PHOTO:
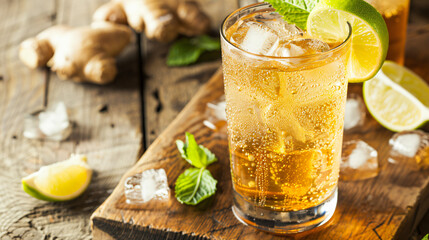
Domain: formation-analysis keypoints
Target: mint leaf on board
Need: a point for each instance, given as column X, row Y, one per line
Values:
column 187, row 50
column 195, row 185
column 182, row 149
column 211, row 158
column 426, row 237
column 196, row 155
column 294, row 11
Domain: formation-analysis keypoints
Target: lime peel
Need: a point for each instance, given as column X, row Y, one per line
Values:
column 391, row 104
column 57, row 182
column 370, row 38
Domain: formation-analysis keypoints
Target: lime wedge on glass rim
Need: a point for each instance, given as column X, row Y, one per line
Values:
column 369, row 39
column 60, row 181
column 397, row 98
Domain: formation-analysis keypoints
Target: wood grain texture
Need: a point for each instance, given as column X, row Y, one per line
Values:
column 389, row 206
column 110, row 139
column 169, row 89
column 386, row 207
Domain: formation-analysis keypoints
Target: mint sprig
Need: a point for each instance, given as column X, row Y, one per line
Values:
column 195, row 184
column 187, row 50
column 196, row 155
column 294, row 11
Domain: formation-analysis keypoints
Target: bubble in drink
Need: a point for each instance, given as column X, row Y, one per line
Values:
column 359, row 161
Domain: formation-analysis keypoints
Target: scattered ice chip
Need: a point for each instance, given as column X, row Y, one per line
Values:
column 255, row 37
column 359, row 161
column 355, row 112
column 31, row 127
column 51, row 124
column 218, row 109
column 210, row 125
column 392, row 161
column 54, row 121
column 147, row 185
column 411, row 144
column 407, row 143
column 216, row 114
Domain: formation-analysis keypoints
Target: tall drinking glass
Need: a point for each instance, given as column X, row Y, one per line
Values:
column 395, row 14
column 285, row 119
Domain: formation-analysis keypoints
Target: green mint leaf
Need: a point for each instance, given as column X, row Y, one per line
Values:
column 183, row 52
column 196, row 155
column 426, row 237
column 207, row 43
column 195, row 185
column 187, row 50
column 294, row 11
column 182, row 149
column 211, row 158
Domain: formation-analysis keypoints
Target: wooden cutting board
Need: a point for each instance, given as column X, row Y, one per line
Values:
column 385, row 207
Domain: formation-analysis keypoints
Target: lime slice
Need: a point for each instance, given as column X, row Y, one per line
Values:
column 397, row 98
column 369, row 40
column 60, row 181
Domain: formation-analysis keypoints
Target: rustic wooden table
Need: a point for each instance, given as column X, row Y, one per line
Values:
column 107, row 118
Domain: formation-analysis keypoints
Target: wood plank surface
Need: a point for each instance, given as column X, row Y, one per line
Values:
column 111, row 139
column 389, row 206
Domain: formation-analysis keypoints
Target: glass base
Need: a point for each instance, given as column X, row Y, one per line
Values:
column 284, row 222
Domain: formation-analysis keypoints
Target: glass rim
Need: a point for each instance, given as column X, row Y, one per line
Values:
column 222, row 33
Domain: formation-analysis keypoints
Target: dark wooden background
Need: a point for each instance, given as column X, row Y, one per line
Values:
column 111, row 139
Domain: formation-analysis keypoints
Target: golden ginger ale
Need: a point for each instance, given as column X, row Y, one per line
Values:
column 285, row 95
column 395, row 14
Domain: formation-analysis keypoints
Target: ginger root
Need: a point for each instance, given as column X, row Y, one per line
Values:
column 161, row 20
column 84, row 54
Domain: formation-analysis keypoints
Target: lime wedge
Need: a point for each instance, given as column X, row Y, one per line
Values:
column 60, row 181
column 397, row 98
column 369, row 40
